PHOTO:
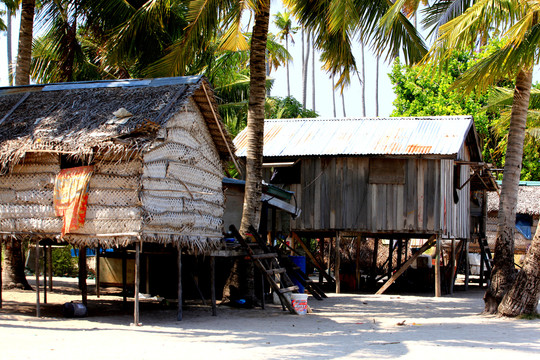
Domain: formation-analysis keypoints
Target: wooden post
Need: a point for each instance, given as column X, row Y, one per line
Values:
column 438, row 268
column 400, row 251
column 98, row 272
column 373, row 274
column 147, row 267
column 453, row 265
column 36, row 268
column 467, row 265
column 390, row 257
column 357, row 262
column 44, row 274
column 213, row 284
column 50, row 268
column 321, row 251
column 137, row 284
column 1, row 244
column 83, row 275
column 124, row 278
column 179, row 313
column 338, row 262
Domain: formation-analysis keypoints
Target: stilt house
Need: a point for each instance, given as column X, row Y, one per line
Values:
column 393, row 178
column 154, row 150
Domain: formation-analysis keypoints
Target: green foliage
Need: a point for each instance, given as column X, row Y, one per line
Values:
column 287, row 108
column 62, row 262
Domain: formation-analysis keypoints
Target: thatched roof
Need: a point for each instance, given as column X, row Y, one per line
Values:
column 528, row 200
column 77, row 118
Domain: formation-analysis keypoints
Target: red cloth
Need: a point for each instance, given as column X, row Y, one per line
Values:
column 71, row 196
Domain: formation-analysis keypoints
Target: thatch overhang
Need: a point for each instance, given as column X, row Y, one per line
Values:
column 77, row 118
column 528, row 200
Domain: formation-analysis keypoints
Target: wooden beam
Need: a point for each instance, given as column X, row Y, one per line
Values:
column 124, row 278
column 1, row 244
column 83, row 275
column 338, row 262
column 213, row 284
column 36, row 269
column 44, row 274
column 467, row 265
column 98, row 272
column 312, row 258
column 179, row 312
column 405, row 266
column 49, row 254
column 438, row 269
column 136, row 321
column 453, row 266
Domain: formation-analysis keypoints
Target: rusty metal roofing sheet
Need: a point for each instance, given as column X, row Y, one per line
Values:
column 362, row 136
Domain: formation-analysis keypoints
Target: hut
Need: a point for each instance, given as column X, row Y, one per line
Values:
column 389, row 178
column 152, row 153
column 527, row 216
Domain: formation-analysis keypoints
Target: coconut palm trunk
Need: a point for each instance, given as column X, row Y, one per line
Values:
column 287, row 67
column 22, row 74
column 13, row 274
column 305, row 72
column 503, row 273
column 363, row 79
column 522, row 298
column 255, row 122
column 9, row 47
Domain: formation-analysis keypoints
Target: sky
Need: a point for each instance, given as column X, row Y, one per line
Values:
column 323, row 83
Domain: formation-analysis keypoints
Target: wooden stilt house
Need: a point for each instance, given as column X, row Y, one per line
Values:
column 153, row 149
column 391, row 178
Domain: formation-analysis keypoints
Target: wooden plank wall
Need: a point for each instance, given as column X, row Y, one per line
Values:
column 335, row 194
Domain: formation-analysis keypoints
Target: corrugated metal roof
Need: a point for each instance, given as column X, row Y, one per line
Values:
column 362, row 136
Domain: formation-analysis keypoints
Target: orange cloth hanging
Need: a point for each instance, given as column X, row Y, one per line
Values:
column 71, row 196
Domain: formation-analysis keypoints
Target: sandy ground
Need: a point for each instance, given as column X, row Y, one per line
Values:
column 343, row 326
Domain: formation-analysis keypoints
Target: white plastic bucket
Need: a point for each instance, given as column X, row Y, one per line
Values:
column 299, row 303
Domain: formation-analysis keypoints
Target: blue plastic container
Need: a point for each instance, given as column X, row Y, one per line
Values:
column 299, row 261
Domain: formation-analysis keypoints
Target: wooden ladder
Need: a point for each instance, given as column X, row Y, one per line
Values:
column 485, row 258
column 293, row 270
column 268, row 264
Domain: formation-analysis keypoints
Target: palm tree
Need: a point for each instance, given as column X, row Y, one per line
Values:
column 11, row 8
column 22, row 74
column 284, row 23
column 518, row 19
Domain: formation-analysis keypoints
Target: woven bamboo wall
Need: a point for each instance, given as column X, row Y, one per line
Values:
column 26, row 195
column 182, row 193
column 26, row 200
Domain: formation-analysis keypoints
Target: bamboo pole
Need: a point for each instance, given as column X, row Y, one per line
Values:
column 36, row 268
column 98, row 272
column 213, row 284
column 338, row 262
column 44, row 274
column 137, row 284
column 1, row 244
column 50, row 268
column 467, row 265
column 438, row 268
column 83, row 275
column 179, row 313
column 453, row 265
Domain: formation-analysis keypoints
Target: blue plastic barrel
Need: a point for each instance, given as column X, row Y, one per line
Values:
column 299, row 261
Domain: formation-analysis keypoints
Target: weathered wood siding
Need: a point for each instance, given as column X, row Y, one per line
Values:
column 182, row 183
column 336, row 194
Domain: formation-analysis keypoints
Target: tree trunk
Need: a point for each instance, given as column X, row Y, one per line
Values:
column 343, row 104
column 255, row 122
column 363, row 79
column 377, row 87
column 522, row 298
column 287, row 66
column 305, row 73
column 22, row 75
column 255, row 132
column 9, row 48
column 313, row 91
column 503, row 273
column 13, row 274
column 334, row 94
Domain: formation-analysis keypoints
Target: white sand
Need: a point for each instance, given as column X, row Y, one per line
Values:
column 341, row 327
